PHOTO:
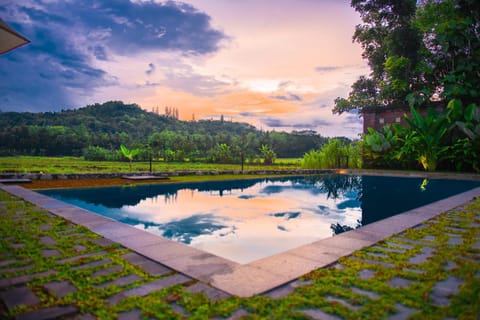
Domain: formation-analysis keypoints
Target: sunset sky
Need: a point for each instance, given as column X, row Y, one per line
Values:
column 275, row 64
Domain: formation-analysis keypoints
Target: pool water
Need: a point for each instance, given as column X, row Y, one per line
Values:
column 245, row 220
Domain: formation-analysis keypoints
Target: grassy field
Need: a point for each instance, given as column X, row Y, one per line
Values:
column 24, row 164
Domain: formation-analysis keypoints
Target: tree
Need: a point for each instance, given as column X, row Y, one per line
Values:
column 391, row 44
column 451, row 33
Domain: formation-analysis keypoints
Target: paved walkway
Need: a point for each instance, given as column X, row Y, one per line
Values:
column 51, row 268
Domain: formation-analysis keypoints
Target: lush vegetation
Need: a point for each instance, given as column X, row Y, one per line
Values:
column 334, row 154
column 420, row 53
column 97, row 131
column 37, row 164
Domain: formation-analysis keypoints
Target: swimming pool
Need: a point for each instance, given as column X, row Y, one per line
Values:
column 245, row 220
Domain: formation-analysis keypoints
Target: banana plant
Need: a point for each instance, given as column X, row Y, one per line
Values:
column 425, row 137
column 129, row 154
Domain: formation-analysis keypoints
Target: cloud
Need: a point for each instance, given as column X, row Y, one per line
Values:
column 151, row 69
column 288, row 97
column 62, row 66
column 288, row 123
column 184, row 78
column 324, row 69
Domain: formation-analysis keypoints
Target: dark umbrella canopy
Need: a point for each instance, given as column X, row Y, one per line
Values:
column 9, row 38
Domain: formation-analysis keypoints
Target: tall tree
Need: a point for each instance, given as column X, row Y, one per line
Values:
column 391, row 44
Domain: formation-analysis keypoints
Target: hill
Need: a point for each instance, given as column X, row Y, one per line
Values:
column 107, row 125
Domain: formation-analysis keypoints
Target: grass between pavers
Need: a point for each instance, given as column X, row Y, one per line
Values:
column 333, row 290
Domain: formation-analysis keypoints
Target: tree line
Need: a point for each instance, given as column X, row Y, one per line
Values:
column 97, row 132
column 420, row 53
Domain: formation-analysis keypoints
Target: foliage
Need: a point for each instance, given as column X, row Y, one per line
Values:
column 268, row 153
column 379, row 148
column 424, row 139
column 113, row 123
column 391, row 44
column 95, row 153
column 417, row 51
column 335, row 154
column 450, row 139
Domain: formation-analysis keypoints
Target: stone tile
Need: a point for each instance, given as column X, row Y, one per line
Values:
column 429, row 238
column 147, row 265
column 370, row 294
column 343, row 302
column 450, row 265
column 178, row 309
column 8, row 262
column 60, row 289
column 50, row 253
column 400, row 245
column 145, row 289
column 377, row 262
column 280, row 292
column 399, row 282
column 122, row 281
column 112, row 230
column 402, row 312
column 49, row 313
column 86, row 316
column 92, row 264
column 245, row 281
column 366, row 274
column 106, row 271
column 17, row 296
column 103, row 242
column 389, row 249
column 455, row 240
column 7, row 282
column 45, row 227
column 130, row 315
column 81, row 257
column 212, row 293
column 318, row 314
column 17, row 245
column 442, row 291
column 416, row 271
column 288, row 264
column 422, row 257
column 79, row 247
column 48, row 241
column 377, row 255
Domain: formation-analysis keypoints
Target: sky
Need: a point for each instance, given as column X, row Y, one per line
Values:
column 278, row 65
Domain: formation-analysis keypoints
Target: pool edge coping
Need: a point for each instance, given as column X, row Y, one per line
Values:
column 243, row 280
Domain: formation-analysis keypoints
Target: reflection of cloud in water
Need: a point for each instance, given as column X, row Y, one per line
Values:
column 286, row 215
column 349, row 204
column 185, row 230
column 246, row 197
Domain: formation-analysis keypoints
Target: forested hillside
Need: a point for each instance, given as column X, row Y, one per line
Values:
column 98, row 130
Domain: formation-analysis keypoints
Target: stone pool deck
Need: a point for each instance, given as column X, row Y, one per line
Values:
column 61, row 261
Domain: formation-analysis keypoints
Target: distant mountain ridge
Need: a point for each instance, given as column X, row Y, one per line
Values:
column 112, row 123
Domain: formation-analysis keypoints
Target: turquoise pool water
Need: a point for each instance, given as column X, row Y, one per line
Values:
column 245, row 220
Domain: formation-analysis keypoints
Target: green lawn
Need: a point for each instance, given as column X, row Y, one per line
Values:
column 24, row 164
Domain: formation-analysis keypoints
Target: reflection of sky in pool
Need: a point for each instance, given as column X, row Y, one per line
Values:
column 247, row 220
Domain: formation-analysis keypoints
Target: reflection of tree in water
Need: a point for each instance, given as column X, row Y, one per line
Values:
column 171, row 197
column 337, row 185
column 337, row 228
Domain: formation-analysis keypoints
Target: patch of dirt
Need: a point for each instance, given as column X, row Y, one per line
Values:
column 78, row 183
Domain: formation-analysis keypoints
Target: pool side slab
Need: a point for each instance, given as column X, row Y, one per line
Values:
column 243, row 280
